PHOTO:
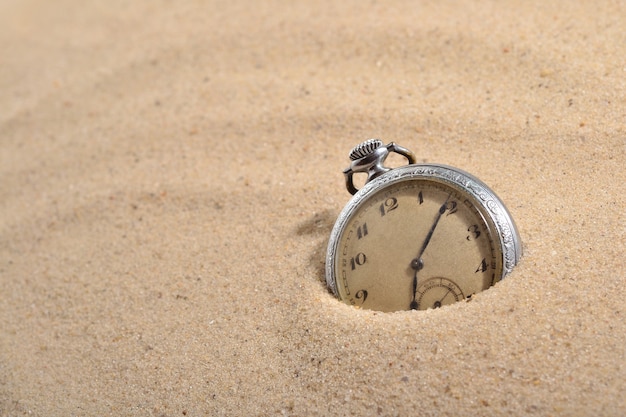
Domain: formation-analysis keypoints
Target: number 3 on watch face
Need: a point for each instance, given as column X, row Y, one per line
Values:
column 419, row 237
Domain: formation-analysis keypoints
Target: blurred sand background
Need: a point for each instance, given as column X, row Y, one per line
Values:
column 170, row 173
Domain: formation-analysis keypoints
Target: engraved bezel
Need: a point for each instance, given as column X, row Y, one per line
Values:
column 489, row 204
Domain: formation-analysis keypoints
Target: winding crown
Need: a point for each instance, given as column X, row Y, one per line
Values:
column 365, row 148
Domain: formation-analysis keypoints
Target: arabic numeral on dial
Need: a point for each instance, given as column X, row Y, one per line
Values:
column 361, row 295
column 481, row 268
column 361, row 231
column 474, row 232
column 451, row 205
column 390, row 204
column 358, row 260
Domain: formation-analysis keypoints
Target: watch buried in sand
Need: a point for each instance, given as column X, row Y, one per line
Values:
column 417, row 237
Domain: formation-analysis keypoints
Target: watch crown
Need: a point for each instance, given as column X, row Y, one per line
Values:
column 365, row 148
column 369, row 157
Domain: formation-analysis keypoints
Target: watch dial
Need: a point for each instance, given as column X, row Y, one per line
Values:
column 416, row 244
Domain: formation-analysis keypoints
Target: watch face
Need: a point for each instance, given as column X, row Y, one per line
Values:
column 414, row 243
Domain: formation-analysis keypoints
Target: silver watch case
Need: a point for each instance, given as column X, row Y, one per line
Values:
column 485, row 199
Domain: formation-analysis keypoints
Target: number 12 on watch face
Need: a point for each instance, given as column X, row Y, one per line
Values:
column 415, row 244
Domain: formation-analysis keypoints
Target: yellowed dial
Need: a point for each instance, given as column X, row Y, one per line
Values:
column 415, row 244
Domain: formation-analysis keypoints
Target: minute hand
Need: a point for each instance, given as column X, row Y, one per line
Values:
column 442, row 210
column 417, row 263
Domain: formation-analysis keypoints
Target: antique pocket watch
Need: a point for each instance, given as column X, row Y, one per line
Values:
column 417, row 237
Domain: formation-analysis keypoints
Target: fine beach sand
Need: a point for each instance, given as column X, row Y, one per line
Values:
column 170, row 173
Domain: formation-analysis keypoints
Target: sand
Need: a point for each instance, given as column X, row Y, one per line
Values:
column 170, row 173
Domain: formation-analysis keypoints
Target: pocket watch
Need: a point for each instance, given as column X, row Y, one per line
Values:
column 417, row 237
